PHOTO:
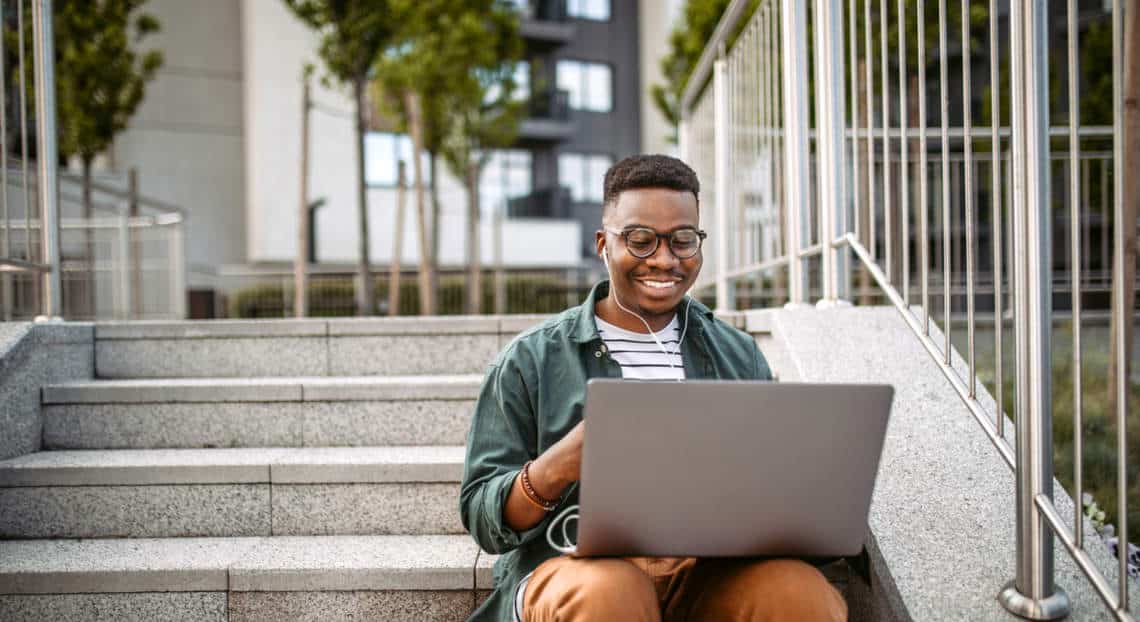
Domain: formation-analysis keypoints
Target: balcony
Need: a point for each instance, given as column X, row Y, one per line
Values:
column 548, row 117
column 545, row 23
column 545, row 203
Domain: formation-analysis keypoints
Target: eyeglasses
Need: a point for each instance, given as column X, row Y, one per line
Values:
column 642, row 242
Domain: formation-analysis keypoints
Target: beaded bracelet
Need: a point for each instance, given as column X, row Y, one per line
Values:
column 531, row 494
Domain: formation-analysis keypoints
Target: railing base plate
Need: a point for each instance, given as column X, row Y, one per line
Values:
column 1054, row 607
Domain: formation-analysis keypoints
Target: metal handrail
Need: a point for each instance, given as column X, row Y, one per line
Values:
column 774, row 171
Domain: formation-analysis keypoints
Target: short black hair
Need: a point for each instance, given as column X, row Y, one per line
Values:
column 649, row 171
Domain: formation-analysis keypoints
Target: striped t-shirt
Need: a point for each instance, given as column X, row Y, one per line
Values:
column 639, row 355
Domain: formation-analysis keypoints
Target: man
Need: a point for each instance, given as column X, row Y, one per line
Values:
column 525, row 445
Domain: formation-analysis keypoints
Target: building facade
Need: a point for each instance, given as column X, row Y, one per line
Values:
column 219, row 134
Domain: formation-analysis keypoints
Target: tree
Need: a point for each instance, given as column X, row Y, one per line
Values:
column 424, row 81
column 484, row 114
column 101, row 79
column 686, row 43
column 352, row 35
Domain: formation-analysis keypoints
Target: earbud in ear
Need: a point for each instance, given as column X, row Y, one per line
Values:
column 606, row 259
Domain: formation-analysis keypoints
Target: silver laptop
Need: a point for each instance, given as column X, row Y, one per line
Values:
column 728, row 468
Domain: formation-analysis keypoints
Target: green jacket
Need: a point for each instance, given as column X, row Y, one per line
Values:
column 533, row 395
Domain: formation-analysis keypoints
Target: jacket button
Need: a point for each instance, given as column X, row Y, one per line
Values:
column 597, row 354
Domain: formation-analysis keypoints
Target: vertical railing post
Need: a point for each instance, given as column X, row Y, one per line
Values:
column 830, row 125
column 121, row 268
column 178, row 269
column 47, row 154
column 1032, row 593
column 797, row 168
column 722, row 152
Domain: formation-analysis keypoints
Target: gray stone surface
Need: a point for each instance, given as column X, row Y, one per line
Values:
column 346, row 563
column 367, row 465
column 255, row 424
column 484, row 579
column 511, row 325
column 142, row 607
column 10, row 335
column 175, row 390
column 118, row 565
column 426, row 354
column 19, row 409
column 211, row 329
column 433, row 387
column 390, row 606
column 233, row 357
column 139, row 467
column 135, row 467
column 440, row 325
column 185, row 425
column 135, row 511
column 32, row 356
column 429, row 422
column 366, row 509
column 943, row 510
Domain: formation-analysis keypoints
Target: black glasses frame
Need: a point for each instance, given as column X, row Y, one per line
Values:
column 624, row 233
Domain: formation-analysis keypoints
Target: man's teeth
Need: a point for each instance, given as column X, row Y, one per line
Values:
column 660, row 284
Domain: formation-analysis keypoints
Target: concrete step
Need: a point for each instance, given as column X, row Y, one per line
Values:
column 335, row 347
column 263, row 412
column 396, row 578
column 231, row 492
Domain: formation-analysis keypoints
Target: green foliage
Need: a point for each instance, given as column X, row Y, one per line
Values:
column 336, row 298
column 352, row 33
column 686, row 43
column 700, row 17
column 100, row 74
column 1098, row 427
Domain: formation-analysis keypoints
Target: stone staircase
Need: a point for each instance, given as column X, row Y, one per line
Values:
column 253, row 470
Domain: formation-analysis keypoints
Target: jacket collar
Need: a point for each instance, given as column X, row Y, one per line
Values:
column 584, row 329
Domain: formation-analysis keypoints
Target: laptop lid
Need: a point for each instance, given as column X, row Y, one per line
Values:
column 728, row 468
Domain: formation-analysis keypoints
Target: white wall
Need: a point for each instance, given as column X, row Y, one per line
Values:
column 275, row 47
column 656, row 22
column 186, row 138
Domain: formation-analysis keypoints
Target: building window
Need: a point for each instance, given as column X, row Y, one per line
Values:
column 590, row 85
column 583, row 174
column 597, row 10
column 382, row 150
column 507, row 175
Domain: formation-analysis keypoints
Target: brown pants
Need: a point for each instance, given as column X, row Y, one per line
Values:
column 666, row 588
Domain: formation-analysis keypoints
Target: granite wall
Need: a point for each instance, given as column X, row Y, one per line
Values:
column 32, row 355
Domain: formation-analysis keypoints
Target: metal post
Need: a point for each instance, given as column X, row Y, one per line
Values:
column 1032, row 594
column 830, row 105
column 177, row 270
column 721, row 156
column 121, row 269
column 47, row 154
column 797, row 168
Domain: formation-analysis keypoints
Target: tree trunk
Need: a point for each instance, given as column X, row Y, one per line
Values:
column 397, row 240
column 364, row 293
column 89, row 239
column 301, row 259
column 474, row 271
column 1124, row 279
column 433, row 275
column 415, row 123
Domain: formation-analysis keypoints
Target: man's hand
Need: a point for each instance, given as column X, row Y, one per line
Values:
column 560, row 465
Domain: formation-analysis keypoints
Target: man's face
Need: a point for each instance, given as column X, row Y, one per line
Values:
column 656, row 284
